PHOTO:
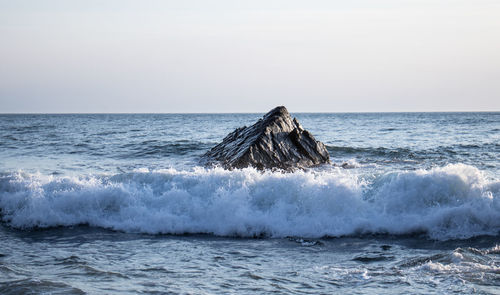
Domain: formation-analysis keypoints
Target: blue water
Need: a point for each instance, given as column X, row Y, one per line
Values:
column 116, row 203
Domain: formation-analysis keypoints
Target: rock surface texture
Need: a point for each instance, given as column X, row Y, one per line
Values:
column 275, row 142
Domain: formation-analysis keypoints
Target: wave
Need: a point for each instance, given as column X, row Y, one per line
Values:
column 370, row 151
column 154, row 149
column 408, row 153
column 450, row 202
column 35, row 286
column 483, row 155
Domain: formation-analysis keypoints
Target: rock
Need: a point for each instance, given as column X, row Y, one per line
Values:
column 274, row 142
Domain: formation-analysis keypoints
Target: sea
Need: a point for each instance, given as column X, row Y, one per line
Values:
column 118, row 204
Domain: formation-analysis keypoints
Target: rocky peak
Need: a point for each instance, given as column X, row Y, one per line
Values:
column 277, row 141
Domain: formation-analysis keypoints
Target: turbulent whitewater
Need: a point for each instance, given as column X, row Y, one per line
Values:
column 118, row 204
column 452, row 202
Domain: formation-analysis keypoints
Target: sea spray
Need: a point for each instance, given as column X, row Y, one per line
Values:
column 450, row 202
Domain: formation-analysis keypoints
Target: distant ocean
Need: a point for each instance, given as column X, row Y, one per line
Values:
column 117, row 204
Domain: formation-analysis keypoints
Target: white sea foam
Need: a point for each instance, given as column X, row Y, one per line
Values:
column 461, row 262
column 455, row 201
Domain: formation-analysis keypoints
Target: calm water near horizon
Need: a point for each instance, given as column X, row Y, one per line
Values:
column 117, row 204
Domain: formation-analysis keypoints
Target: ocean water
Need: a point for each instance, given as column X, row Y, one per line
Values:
column 117, row 204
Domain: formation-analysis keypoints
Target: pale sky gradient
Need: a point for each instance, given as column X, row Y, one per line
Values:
column 249, row 56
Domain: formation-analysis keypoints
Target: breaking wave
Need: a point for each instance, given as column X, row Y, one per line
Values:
column 451, row 202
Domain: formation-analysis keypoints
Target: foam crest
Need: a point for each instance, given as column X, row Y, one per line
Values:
column 455, row 201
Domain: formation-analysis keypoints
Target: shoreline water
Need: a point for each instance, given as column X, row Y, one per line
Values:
column 81, row 260
column 409, row 215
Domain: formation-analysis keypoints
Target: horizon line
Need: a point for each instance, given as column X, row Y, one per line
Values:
column 211, row 113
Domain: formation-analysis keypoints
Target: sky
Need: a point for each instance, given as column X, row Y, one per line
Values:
column 131, row 56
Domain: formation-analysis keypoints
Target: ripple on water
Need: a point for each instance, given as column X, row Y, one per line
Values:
column 34, row 286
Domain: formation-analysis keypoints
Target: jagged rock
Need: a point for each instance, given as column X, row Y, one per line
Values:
column 275, row 142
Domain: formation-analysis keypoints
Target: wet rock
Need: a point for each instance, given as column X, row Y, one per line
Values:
column 274, row 142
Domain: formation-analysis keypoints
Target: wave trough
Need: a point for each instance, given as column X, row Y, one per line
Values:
column 451, row 202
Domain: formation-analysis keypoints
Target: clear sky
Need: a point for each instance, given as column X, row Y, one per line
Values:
column 249, row 56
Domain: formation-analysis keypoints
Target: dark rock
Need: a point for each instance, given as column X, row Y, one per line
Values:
column 275, row 142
